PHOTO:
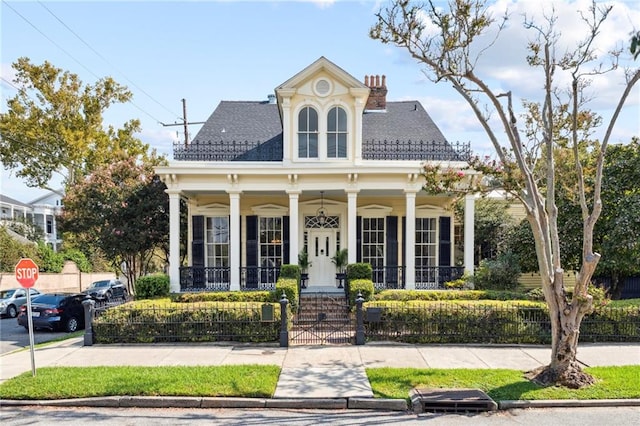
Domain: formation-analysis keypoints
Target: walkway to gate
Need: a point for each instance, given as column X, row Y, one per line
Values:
column 323, row 318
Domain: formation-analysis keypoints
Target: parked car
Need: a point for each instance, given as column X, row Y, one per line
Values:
column 107, row 290
column 55, row 311
column 12, row 299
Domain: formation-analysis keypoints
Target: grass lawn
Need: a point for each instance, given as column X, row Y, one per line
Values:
column 252, row 381
column 259, row 381
column 502, row 384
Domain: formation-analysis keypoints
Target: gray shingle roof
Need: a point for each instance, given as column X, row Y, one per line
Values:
column 252, row 131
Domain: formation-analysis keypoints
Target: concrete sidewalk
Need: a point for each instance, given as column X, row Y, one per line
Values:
column 312, row 372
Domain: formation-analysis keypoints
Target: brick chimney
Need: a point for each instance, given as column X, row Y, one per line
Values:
column 378, row 96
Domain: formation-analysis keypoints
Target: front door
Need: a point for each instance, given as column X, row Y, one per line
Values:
column 322, row 247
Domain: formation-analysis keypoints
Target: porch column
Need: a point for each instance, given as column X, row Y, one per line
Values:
column 469, row 213
column 410, row 240
column 234, row 234
column 352, row 213
column 294, row 239
column 174, row 240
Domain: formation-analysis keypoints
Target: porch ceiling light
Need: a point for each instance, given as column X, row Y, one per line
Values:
column 321, row 214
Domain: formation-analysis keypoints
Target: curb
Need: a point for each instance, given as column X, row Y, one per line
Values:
column 559, row 403
column 213, row 402
column 293, row 403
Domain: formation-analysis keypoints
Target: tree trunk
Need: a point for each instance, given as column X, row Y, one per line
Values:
column 565, row 317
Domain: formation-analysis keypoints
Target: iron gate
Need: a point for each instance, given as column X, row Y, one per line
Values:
column 323, row 319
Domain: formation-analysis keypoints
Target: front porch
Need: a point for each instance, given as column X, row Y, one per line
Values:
column 195, row 279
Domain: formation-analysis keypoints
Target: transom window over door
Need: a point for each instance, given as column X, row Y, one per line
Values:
column 337, row 133
column 308, row 133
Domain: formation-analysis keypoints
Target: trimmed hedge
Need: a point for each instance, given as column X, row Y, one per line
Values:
column 490, row 321
column 161, row 320
column 152, row 286
column 362, row 286
column 434, row 295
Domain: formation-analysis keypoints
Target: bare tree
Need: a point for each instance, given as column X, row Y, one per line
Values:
column 446, row 43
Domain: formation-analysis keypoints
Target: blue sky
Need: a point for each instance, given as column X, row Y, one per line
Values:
column 208, row 51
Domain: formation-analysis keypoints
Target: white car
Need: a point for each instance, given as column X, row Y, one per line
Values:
column 12, row 299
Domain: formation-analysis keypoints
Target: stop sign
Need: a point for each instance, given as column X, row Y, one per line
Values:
column 26, row 272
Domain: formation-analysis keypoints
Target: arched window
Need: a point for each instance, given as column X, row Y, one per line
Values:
column 337, row 133
column 308, row 133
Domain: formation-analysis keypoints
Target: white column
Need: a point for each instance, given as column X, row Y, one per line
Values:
column 234, row 234
column 469, row 213
column 410, row 241
column 294, row 220
column 352, row 212
column 174, row 240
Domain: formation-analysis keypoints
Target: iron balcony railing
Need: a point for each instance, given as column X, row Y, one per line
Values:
column 371, row 150
column 200, row 278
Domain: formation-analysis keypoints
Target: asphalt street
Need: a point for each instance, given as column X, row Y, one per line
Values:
column 14, row 336
column 70, row 416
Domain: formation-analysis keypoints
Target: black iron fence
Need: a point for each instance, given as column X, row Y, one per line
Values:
column 412, row 322
column 206, row 322
column 200, row 278
column 450, row 323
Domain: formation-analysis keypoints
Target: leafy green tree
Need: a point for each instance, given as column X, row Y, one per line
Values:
column 449, row 42
column 492, row 225
column 55, row 125
column 11, row 251
column 120, row 210
column 618, row 230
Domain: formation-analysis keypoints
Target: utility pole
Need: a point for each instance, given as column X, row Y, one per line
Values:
column 184, row 123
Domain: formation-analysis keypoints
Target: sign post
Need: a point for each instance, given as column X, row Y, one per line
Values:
column 27, row 274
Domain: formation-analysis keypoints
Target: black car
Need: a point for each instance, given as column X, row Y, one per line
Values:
column 55, row 311
column 107, row 290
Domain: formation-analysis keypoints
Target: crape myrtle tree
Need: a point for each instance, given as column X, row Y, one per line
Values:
column 54, row 125
column 447, row 44
column 121, row 210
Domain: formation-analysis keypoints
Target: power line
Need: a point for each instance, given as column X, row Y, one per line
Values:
column 71, row 56
column 105, row 59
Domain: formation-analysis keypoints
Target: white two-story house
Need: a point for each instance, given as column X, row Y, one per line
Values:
column 324, row 164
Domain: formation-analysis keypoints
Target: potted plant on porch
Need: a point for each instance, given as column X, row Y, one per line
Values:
column 304, row 264
column 340, row 259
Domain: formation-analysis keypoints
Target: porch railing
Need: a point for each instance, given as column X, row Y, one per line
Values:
column 198, row 278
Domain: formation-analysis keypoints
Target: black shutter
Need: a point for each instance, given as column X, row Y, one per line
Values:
column 285, row 240
column 358, row 238
column 445, row 241
column 252, row 252
column 391, row 273
column 444, row 270
column 197, row 251
column 404, row 251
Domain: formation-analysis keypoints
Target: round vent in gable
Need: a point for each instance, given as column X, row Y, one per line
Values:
column 322, row 87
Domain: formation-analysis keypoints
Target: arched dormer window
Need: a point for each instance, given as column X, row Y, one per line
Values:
column 308, row 133
column 337, row 133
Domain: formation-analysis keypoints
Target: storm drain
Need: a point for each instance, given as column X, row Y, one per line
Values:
column 426, row 400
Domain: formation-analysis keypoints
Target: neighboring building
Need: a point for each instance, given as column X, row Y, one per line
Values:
column 325, row 164
column 42, row 212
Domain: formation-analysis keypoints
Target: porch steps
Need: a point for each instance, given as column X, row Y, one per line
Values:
column 322, row 307
column 322, row 319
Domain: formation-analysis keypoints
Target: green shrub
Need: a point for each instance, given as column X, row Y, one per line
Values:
column 161, row 320
column 288, row 286
column 434, row 295
column 50, row 261
column 361, row 286
column 223, row 296
column 357, row 271
column 290, row 271
column 152, row 286
column 499, row 274
column 464, row 282
column 77, row 257
column 536, row 294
